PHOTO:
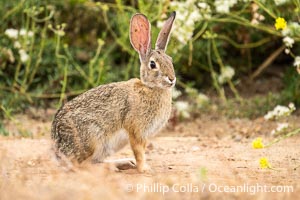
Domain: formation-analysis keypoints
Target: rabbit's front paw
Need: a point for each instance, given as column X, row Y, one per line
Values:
column 144, row 168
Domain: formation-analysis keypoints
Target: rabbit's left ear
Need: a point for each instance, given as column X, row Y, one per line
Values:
column 164, row 34
column 140, row 38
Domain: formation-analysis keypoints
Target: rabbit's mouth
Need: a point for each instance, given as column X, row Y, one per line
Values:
column 169, row 82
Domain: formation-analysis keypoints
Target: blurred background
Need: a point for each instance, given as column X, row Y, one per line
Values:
column 226, row 53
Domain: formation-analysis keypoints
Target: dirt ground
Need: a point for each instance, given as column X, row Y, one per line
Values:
column 207, row 158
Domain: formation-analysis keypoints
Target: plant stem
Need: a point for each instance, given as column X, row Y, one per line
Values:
column 244, row 46
column 290, row 134
column 219, row 88
column 65, row 68
column 92, row 64
column 220, row 62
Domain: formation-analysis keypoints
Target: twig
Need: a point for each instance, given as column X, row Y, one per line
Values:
column 267, row 62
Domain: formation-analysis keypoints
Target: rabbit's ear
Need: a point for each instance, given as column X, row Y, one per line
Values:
column 164, row 34
column 140, row 38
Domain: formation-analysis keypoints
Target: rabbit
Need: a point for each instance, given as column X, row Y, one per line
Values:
column 102, row 120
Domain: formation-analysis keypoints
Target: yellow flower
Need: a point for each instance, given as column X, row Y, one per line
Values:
column 264, row 163
column 280, row 23
column 257, row 143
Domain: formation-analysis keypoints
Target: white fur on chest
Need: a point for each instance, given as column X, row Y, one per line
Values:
column 157, row 123
column 118, row 140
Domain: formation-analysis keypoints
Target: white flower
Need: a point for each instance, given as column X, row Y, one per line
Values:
column 187, row 16
column 60, row 33
column 280, row 2
column 202, row 5
column 256, row 17
column 293, row 29
column 17, row 45
column 261, row 17
column 280, row 127
column 12, row 33
column 288, row 41
column 181, row 105
column 182, row 108
column 176, row 93
column 292, row 106
column 254, row 21
column 205, row 10
column 286, row 31
column 23, row 55
column 194, row 16
column 280, row 111
column 287, row 51
column 223, row 6
column 8, row 54
column 273, row 132
column 254, row 7
column 24, row 32
column 202, row 100
column 226, row 74
column 297, row 61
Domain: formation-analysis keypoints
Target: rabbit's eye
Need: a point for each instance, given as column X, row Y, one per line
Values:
column 152, row 64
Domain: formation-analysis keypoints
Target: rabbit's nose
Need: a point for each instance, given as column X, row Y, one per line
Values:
column 172, row 80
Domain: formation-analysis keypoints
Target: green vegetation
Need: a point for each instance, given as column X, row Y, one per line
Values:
column 54, row 50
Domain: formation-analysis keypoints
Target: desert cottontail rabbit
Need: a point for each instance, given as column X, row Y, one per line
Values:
column 103, row 119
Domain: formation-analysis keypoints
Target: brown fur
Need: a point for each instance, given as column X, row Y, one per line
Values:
column 103, row 119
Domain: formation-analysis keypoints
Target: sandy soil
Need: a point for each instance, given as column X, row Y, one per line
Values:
column 189, row 160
